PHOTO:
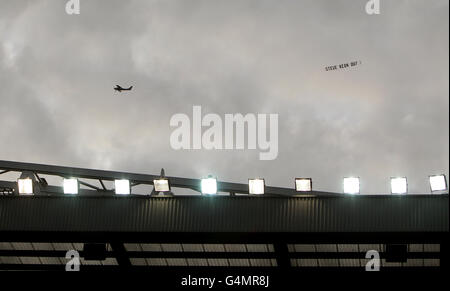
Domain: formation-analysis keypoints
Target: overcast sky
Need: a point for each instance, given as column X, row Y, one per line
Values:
column 388, row 116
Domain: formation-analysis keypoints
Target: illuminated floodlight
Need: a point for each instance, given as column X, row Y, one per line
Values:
column 25, row 186
column 256, row 186
column 122, row 187
column 351, row 185
column 70, row 186
column 161, row 185
column 438, row 183
column 399, row 185
column 209, row 186
column 303, row 184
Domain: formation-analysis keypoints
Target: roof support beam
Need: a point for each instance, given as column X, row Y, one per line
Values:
column 121, row 255
column 176, row 182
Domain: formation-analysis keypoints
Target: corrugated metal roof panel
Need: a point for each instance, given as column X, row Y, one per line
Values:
column 328, row 262
column 193, row 247
column 197, row 262
column 138, row 261
column 22, row 246
column 226, row 214
column 64, row 247
column 239, row 262
column 10, row 260
column 368, row 247
column 326, row 248
column 415, row 248
column 214, row 247
column 431, row 262
column 304, row 248
column 257, row 248
column 261, row 262
column 90, row 262
column 43, row 246
column 133, row 247
column 6, row 246
column 218, row 262
column 235, row 247
column 347, row 247
column 50, row 260
column 171, row 247
column 431, row 247
column 30, row 260
column 156, row 262
column 176, row 262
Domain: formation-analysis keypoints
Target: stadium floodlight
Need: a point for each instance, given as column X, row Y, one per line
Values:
column 25, row 186
column 70, row 186
column 438, row 183
column 399, row 185
column 256, row 186
column 209, row 185
column 303, row 184
column 351, row 185
column 161, row 185
column 122, row 187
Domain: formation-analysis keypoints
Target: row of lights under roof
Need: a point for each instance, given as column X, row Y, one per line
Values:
column 208, row 185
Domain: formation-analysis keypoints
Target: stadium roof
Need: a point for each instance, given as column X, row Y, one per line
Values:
column 319, row 229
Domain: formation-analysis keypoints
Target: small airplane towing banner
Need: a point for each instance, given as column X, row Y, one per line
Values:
column 120, row 89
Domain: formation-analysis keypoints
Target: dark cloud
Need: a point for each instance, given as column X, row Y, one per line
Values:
column 387, row 117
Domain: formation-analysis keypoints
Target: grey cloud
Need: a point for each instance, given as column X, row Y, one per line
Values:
column 386, row 117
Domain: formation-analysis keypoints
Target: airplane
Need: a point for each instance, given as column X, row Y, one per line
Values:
column 120, row 89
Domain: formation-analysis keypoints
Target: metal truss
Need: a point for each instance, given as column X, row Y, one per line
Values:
column 135, row 180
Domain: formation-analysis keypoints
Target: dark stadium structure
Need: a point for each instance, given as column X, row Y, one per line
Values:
column 231, row 232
